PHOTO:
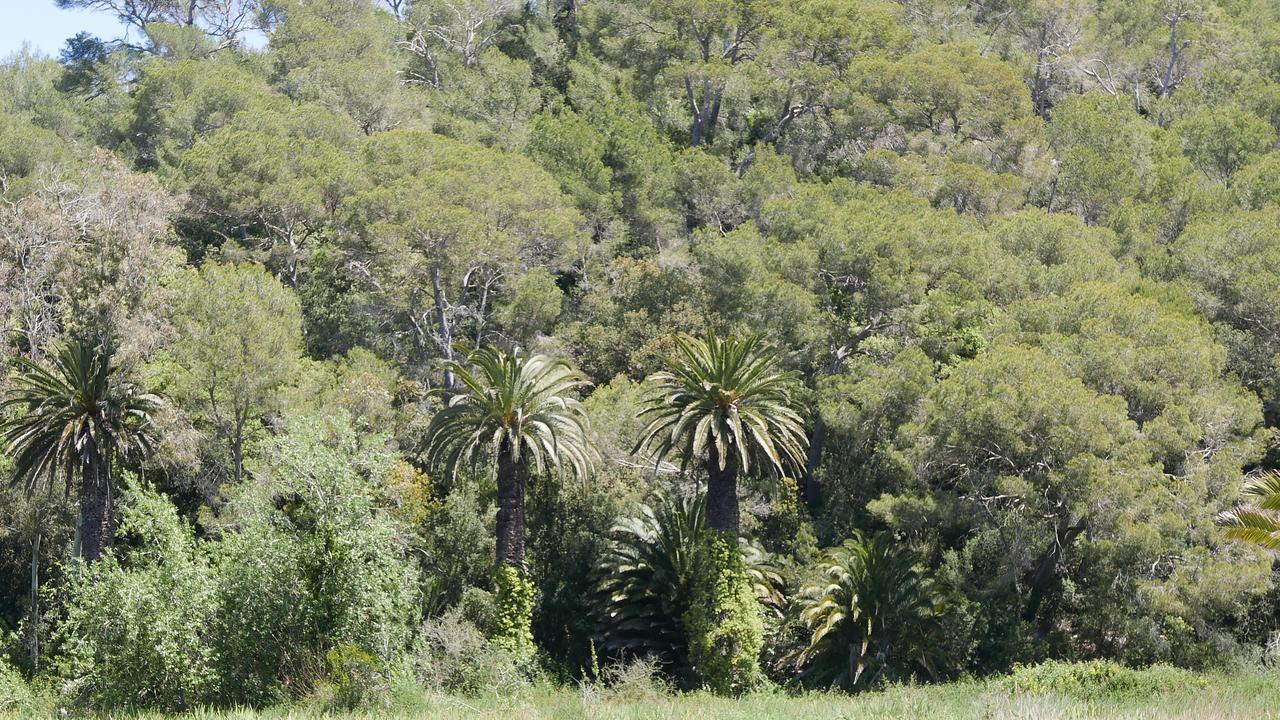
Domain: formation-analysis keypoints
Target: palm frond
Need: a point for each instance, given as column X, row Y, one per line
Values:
column 1257, row 519
column 646, row 580
column 73, row 417
column 871, row 606
column 526, row 401
column 728, row 394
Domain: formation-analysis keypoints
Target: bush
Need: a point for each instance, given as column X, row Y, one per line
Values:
column 723, row 622
column 15, row 695
column 1099, row 680
column 453, row 656
column 312, row 568
column 458, row 544
column 638, row 680
column 356, row 676
column 648, row 582
column 135, row 631
column 871, row 614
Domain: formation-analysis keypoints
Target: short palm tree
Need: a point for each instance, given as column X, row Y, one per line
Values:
column 1257, row 519
column 522, row 409
column 76, row 422
column 871, row 608
column 647, row 580
column 725, row 403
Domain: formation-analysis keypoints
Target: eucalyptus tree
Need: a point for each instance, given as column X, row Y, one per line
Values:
column 76, row 422
column 725, row 403
column 520, row 411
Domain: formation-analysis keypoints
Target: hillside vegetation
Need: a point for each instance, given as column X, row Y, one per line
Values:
column 425, row 356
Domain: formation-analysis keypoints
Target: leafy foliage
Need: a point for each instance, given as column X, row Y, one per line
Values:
column 310, row 566
column 647, row 580
column 872, row 615
column 136, row 632
column 514, row 602
column 996, row 278
column 724, row 621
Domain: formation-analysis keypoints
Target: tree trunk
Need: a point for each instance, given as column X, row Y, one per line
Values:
column 812, row 486
column 35, row 599
column 95, row 510
column 446, row 332
column 1047, row 570
column 513, row 477
column 237, row 454
column 722, row 494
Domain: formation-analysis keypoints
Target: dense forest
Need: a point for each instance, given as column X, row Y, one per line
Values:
column 826, row 343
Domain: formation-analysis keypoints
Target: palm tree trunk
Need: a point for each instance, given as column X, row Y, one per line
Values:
column 512, row 479
column 813, row 486
column 722, row 494
column 95, row 511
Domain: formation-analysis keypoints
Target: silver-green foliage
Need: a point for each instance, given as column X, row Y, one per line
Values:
column 311, row 567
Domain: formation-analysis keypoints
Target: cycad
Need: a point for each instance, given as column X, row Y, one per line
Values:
column 1257, row 519
column 725, row 403
column 522, row 410
column 871, row 610
column 647, row 581
column 76, row 422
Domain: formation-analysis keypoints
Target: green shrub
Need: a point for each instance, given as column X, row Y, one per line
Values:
column 871, row 614
column 311, row 568
column 1099, row 680
column 515, row 599
column 458, row 543
column 451, row 655
column 479, row 607
column 135, row 630
column 723, row 622
column 355, row 676
column 648, row 579
column 15, row 695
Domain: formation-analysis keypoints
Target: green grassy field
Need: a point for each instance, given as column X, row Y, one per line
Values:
column 1209, row 697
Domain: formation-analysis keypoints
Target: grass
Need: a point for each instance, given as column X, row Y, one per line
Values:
column 1203, row 697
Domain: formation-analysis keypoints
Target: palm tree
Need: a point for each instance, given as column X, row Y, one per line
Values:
column 522, row 410
column 77, row 421
column 647, row 578
column 1257, row 520
column 871, row 608
column 725, row 403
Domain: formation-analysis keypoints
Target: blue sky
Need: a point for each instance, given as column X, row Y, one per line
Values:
column 41, row 24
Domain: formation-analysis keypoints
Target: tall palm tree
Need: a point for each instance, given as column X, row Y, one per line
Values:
column 1257, row 519
column 725, row 403
column 76, row 422
column 522, row 409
